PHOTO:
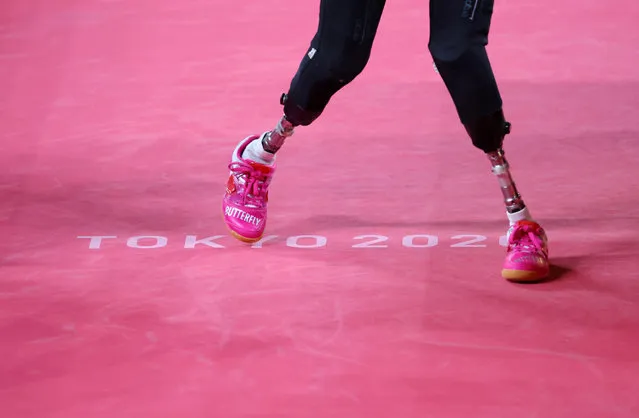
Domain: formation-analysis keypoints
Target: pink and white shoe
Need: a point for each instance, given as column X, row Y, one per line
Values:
column 246, row 198
column 527, row 253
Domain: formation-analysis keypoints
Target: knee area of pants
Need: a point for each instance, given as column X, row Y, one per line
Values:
column 344, row 58
column 348, row 66
column 447, row 51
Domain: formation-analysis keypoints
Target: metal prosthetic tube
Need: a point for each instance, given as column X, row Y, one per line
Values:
column 500, row 168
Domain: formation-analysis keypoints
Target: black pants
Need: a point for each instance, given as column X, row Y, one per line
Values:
column 342, row 46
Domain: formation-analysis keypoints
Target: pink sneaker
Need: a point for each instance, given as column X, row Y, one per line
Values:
column 527, row 258
column 246, row 198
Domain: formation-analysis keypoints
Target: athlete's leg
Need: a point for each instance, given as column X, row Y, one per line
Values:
column 337, row 54
column 458, row 37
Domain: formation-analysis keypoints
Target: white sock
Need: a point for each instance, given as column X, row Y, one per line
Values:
column 255, row 152
column 522, row 215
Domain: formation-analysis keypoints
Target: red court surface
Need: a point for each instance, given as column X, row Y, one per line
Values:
column 117, row 120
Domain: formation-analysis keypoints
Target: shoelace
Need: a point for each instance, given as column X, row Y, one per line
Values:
column 524, row 237
column 254, row 182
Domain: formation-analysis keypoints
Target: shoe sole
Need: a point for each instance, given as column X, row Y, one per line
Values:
column 523, row 276
column 244, row 239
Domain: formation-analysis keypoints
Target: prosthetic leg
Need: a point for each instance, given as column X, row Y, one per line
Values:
column 458, row 40
column 337, row 54
column 527, row 252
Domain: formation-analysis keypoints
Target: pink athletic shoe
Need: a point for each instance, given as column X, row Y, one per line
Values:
column 246, row 198
column 527, row 258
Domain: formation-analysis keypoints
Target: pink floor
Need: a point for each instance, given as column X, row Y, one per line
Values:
column 117, row 119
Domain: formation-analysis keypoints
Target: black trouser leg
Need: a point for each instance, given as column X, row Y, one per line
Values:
column 338, row 53
column 458, row 38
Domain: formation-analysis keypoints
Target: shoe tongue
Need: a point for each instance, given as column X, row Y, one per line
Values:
column 529, row 225
column 521, row 231
column 262, row 168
